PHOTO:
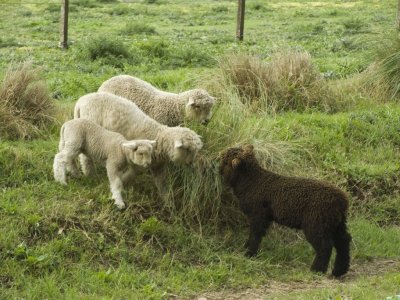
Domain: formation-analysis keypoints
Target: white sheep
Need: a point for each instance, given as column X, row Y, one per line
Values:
column 122, row 157
column 175, row 144
column 167, row 108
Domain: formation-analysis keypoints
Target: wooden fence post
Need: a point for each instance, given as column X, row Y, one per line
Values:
column 64, row 24
column 240, row 20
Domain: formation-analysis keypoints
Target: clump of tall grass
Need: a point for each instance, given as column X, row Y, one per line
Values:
column 132, row 28
column 289, row 81
column 25, row 104
column 197, row 194
column 354, row 25
column 106, row 50
column 167, row 55
column 382, row 78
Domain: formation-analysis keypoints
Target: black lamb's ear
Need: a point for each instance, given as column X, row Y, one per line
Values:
column 235, row 163
column 248, row 149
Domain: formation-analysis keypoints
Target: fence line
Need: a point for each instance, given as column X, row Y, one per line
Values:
column 112, row 3
column 64, row 9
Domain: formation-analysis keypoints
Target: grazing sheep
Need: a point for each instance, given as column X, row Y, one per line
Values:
column 121, row 156
column 319, row 209
column 176, row 144
column 167, row 108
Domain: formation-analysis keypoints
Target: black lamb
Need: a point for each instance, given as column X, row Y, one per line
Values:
column 316, row 207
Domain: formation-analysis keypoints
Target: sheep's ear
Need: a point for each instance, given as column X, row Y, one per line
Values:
column 131, row 145
column 248, row 149
column 178, row 144
column 235, row 163
column 192, row 103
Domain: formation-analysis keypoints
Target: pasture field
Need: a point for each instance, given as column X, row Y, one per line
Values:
column 331, row 120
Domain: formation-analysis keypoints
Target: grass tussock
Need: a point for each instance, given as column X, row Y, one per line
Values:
column 106, row 50
column 133, row 28
column 197, row 195
column 289, row 81
column 25, row 104
column 382, row 77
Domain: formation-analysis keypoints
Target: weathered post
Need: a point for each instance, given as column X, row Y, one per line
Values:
column 240, row 20
column 64, row 24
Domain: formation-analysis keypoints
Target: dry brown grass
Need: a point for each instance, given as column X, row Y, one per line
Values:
column 25, row 104
column 289, row 81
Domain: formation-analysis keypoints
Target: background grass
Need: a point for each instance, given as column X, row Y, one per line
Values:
column 335, row 117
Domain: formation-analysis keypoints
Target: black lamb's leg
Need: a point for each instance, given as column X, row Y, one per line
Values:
column 258, row 228
column 341, row 239
column 323, row 249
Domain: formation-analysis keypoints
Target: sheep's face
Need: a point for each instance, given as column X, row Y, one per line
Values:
column 185, row 151
column 199, row 105
column 139, row 152
column 231, row 160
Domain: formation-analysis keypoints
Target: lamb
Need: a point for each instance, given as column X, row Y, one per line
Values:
column 316, row 207
column 167, row 108
column 173, row 144
column 122, row 157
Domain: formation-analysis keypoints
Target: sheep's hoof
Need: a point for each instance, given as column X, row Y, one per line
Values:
column 120, row 205
column 250, row 253
column 63, row 182
column 338, row 274
column 76, row 175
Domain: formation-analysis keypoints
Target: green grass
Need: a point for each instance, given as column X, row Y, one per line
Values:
column 70, row 242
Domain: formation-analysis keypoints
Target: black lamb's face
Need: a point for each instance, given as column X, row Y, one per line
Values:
column 229, row 161
column 233, row 160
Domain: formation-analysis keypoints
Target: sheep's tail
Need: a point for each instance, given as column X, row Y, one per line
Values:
column 341, row 241
column 62, row 141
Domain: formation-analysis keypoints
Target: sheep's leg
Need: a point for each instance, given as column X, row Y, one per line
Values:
column 322, row 245
column 128, row 175
column 341, row 241
column 258, row 228
column 63, row 163
column 73, row 168
column 116, row 186
column 60, row 168
column 159, row 175
column 86, row 164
